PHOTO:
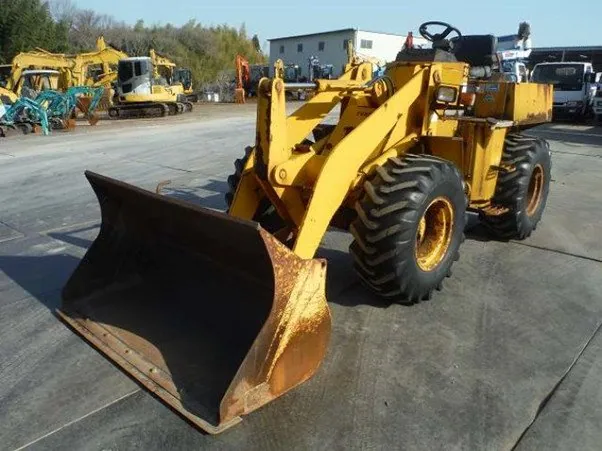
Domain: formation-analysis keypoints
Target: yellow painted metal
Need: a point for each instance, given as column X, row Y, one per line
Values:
column 158, row 94
column 399, row 149
column 345, row 160
column 530, row 103
column 535, row 190
column 11, row 96
column 308, row 183
column 449, row 148
column 434, row 233
column 522, row 103
column 485, row 146
column 300, row 123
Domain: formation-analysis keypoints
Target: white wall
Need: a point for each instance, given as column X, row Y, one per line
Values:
column 334, row 51
column 384, row 46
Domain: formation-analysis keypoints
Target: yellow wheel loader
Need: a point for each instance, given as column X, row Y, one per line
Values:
column 219, row 313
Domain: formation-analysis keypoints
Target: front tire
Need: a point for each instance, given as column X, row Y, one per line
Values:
column 522, row 191
column 266, row 214
column 409, row 227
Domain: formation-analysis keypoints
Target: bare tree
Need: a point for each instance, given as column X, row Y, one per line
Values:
column 62, row 10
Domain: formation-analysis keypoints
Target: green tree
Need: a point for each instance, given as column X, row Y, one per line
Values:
column 256, row 43
column 208, row 51
column 26, row 24
column 139, row 25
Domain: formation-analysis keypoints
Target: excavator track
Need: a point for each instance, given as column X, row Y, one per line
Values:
column 141, row 110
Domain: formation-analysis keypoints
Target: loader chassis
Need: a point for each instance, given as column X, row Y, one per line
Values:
column 411, row 151
column 308, row 184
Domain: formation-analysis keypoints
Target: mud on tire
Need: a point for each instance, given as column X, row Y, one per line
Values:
column 409, row 227
column 523, row 189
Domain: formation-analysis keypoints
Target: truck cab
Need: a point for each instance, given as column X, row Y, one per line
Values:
column 598, row 98
column 574, row 86
column 516, row 71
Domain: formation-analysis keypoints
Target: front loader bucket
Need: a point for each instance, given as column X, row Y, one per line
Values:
column 210, row 313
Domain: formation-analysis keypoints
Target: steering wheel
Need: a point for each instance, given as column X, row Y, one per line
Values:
column 433, row 37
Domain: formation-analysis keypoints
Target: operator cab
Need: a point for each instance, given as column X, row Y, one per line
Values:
column 135, row 75
column 5, row 70
column 479, row 51
column 184, row 76
column 34, row 81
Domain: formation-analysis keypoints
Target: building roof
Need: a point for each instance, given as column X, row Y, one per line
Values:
column 578, row 48
column 342, row 30
column 562, row 63
column 312, row 34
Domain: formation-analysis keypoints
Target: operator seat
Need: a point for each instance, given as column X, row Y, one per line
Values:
column 476, row 50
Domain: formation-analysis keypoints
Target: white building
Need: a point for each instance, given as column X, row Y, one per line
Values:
column 330, row 47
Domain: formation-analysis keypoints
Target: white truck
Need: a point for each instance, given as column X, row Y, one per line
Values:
column 513, row 50
column 598, row 99
column 515, row 68
column 574, row 87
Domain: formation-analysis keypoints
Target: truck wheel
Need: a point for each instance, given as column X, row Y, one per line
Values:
column 266, row 214
column 522, row 191
column 409, row 227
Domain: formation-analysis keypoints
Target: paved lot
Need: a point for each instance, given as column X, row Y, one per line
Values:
column 507, row 356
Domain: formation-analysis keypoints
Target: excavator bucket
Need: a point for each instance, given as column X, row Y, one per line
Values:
column 83, row 104
column 210, row 313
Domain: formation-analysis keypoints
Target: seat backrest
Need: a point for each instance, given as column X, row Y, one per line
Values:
column 476, row 50
column 425, row 55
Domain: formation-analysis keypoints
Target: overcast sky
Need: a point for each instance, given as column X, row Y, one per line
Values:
column 553, row 22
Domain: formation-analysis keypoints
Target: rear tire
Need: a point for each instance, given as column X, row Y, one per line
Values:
column 409, row 227
column 524, row 190
column 266, row 214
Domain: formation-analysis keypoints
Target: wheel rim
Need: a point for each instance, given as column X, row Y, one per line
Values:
column 434, row 234
column 535, row 190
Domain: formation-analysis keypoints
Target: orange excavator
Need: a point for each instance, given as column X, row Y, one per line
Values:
column 243, row 76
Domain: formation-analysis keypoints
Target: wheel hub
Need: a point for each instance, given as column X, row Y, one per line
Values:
column 434, row 234
column 535, row 190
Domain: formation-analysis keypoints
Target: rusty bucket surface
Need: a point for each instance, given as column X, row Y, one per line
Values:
column 210, row 313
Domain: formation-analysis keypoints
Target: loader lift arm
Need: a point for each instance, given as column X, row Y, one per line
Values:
column 285, row 172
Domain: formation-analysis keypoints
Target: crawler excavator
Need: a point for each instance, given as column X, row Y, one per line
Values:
column 219, row 313
column 92, row 69
column 97, row 68
column 145, row 87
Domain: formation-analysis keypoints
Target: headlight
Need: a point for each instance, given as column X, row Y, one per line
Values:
column 447, row 94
